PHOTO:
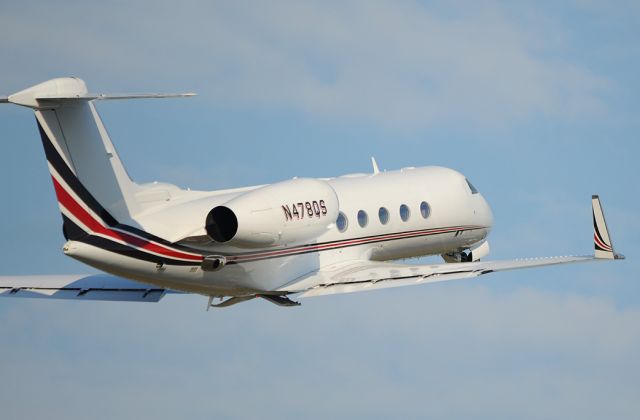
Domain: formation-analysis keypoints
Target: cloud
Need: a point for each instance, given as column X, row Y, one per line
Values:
column 484, row 348
column 449, row 351
column 398, row 64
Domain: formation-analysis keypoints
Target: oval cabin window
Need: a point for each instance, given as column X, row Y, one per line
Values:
column 405, row 213
column 341, row 222
column 425, row 210
column 363, row 219
column 383, row 214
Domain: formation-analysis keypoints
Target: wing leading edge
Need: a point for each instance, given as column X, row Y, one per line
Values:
column 359, row 276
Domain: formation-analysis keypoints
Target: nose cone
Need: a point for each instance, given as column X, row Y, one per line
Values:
column 485, row 214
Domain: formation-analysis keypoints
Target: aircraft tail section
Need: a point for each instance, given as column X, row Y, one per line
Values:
column 90, row 180
column 78, row 148
column 97, row 199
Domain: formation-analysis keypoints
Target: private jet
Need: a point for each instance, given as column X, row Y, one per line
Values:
column 298, row 238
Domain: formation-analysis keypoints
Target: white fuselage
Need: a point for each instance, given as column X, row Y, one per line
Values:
column 457, row 218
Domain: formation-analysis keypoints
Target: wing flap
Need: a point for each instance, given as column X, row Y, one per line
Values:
column 79, row 287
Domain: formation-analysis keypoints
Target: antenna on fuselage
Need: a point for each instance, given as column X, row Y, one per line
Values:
column 376, row 170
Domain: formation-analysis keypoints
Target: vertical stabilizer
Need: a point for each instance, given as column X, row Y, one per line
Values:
column 74, row 138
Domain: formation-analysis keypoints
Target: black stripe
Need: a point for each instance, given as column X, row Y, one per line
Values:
column 69, row 177
column 302, row 248
column 87, row 198
column 595, row 225
column 302, row 252
column 128, row 251
column 451, row 229
column 71, row 231
column 150, row 237
column 599, row 248
column 112, row 246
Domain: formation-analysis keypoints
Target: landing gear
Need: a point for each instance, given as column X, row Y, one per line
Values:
column 457, row 257
column 280, row 300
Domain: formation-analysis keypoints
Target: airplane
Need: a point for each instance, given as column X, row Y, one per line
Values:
column 298, row 238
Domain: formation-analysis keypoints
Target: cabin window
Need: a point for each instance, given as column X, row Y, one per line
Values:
column 405, row 213
column 383, row 214
column 471, row 187
column 341, row 222
column 363, row 219
column 425, row 210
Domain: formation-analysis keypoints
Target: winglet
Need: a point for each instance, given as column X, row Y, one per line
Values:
column 601, row 238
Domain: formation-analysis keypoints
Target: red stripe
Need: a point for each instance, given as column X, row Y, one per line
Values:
column 94, row 226
column 600, row 243
column 347, row 243
column 74, row 208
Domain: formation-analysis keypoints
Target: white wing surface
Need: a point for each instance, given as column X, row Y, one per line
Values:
column 79, row 287
column 359, row 276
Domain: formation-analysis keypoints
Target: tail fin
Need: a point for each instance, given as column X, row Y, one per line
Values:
column 86, row 169
column 601, row 239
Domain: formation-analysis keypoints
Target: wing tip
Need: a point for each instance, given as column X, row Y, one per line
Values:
column 602, row 241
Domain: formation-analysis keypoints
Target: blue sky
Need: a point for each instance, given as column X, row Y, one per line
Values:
column 536, row 102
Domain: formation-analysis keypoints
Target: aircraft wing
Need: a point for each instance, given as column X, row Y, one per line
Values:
column 80, row 287
column 358, row 276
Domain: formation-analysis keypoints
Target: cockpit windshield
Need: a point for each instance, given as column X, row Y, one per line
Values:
column 471, row 187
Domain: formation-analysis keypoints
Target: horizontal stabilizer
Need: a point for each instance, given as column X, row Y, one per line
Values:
column 46, row 94
column 106, row 96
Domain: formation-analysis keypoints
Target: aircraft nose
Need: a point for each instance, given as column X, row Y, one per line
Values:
column 486, row 214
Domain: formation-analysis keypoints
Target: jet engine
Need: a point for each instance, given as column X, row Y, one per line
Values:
column 296, row 210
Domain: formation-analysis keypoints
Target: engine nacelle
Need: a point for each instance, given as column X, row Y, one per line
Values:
column 290, row 211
